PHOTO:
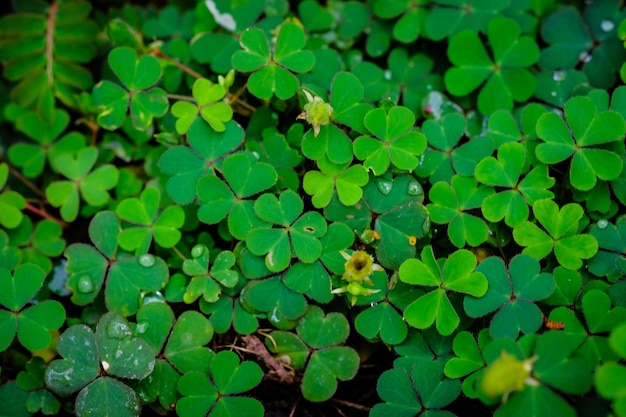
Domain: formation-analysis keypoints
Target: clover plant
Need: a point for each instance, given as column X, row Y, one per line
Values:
column 362, row 207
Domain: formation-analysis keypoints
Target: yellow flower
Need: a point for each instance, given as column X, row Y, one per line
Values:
column 507, row 374
column 359, row 267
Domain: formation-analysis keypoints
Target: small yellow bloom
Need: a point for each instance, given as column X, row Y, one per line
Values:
column 359, row 267
column 507, row 374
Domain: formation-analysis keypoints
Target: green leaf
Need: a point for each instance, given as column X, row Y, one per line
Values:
column 325, row 367
column 512, row 295
column 395, row 141
column 612, row 246
column 347, row 181
column 382, row 320
column 187, row 164
column 589, row 128
column 318, row 330
column 449, row 201
column 562, row 226
column 108, row 396
column 506, row 77
column 455, row 273
column 185, row 349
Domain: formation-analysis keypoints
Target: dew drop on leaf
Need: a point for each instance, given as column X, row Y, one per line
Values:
column 607, row 25
column 415, row 188
column 142, row 326
column 118, row 330
column 384, row 186
column 151, row 297
column 85, row 284
column 603, row 223
column 147, row 260
column 585, row 57
column 559, row 75
column 197, row 251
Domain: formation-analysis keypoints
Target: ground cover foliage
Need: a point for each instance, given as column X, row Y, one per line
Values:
column 383, row 208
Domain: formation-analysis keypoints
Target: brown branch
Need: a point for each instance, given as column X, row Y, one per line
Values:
column 45, row 215
column 351, row 405
column 258, row 348
column 177, row 64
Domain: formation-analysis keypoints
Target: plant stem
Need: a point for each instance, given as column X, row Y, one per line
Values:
column 179, row 253
column 181, row 97
column 351, row 405
column 52, row 11
column 177, row 64
column 26, row 181
column 45, row 215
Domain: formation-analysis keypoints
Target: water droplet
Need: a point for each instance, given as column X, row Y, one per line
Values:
column 415, row 188
column 118, row 330
column 387, row 74
column 553, row 93
column 118, row 353
column 197, row 250
column 85, row 284
column 559, row 75
column 147, row 260
column 142, row 326
column 603, row 223
column 607, row 25
column 384, row 186
column 585, row 57
column 153, row 297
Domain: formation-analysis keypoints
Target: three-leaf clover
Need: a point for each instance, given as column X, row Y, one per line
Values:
column 585, row 129
column 215, row 394
column 322, row 334
column 187, row 164
column 148, row 222
column 137, row 75
column 207, row 283
column 562, row 235
column 210, row 105
column 445, row 156
column 92, row 363
column 512, row 205
column 245, row 177
column 456, row 273
column 273, row 66
column 34, row 323
column 512, row 294
column 297, row 233
column 394, row 141
column 347, row 181
column 449, row 203
column 506, row 76
column 610, row 261
column 93, row 185
column 11, row 202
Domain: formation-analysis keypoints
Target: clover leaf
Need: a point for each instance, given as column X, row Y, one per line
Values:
column 187, row 164
column 298, row 234
column 609, row 377
column 215, row 392
column 609, row 261
column 36, row 245
column 468, row 360
column 246, row 177
column 449, row 203
column 49, row 142
column 562, row 234
column 460, row 15
column 412, row 14
column 39, row 398
column 585, row 129
column 137, row 75
column 93, row 362
column 207, row 283
column 148, row 222
column 124, row 277
column 275, row 150
column 600, row 317
column 395, row 140
column 445, row 155
column 455, row 273
column 512, row 205
column 228, row 311
column 273, row 67
column 34, row 323
column 11, row 202
column 92, row 186
column 407, row 393
column 210, row 105
column 345, row 180
column 328, row 362
column 506, row 76
column 271, row 296
column 512, row 294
